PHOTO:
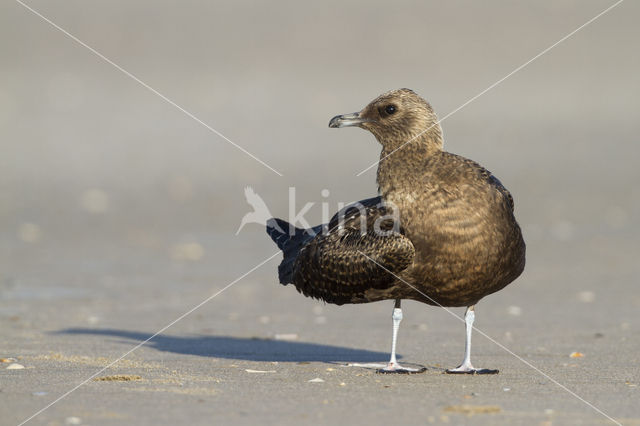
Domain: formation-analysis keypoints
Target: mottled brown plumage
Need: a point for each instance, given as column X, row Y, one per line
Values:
column 455, row 239
column 456, row 220
column 333, row 266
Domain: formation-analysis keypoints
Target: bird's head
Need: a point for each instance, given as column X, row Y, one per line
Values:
column 395, row 118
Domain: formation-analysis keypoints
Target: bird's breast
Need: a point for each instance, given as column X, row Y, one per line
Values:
column 455, row 227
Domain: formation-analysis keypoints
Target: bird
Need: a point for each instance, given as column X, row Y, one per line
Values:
column 441, row 230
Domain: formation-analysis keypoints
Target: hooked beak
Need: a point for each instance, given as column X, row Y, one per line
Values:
column 347, row 120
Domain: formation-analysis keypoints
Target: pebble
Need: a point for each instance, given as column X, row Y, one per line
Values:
column 316, row 380
column 15, row 366
column 73, row 420
column 576, row 355
column 248, row 370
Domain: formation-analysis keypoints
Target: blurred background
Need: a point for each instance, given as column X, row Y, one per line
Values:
column 119, row 211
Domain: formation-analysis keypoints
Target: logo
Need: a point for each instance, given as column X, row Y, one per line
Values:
column 386, row 220
column 260, row 213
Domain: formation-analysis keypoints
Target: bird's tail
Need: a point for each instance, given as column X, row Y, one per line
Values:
column 290, row 240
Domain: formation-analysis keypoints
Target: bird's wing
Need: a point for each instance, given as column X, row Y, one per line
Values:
column 504, row 191
column 476, row 169
column 374, row 203
column 341, row 264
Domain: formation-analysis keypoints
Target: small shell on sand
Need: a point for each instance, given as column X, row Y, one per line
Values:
column 15, row 366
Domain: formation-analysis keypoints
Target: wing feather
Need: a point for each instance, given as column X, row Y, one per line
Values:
column 336, row 266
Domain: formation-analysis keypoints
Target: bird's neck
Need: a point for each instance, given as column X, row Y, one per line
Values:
column 402, row 166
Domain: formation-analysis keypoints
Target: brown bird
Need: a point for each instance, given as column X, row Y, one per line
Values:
column 442, row 231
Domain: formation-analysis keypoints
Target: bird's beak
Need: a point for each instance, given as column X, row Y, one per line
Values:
column 347, row 120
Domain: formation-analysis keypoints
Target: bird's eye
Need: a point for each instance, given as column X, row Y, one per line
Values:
column 390, row 109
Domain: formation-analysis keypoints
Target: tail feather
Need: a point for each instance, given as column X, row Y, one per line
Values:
column 290, row 240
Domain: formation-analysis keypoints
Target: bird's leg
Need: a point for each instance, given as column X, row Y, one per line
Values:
column 393, row 366
column 397, row 318
column 466, row 367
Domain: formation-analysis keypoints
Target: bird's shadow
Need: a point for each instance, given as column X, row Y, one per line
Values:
column 238, row 348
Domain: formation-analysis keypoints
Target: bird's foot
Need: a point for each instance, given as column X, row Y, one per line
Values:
column 395, row 368
column 470, row 369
